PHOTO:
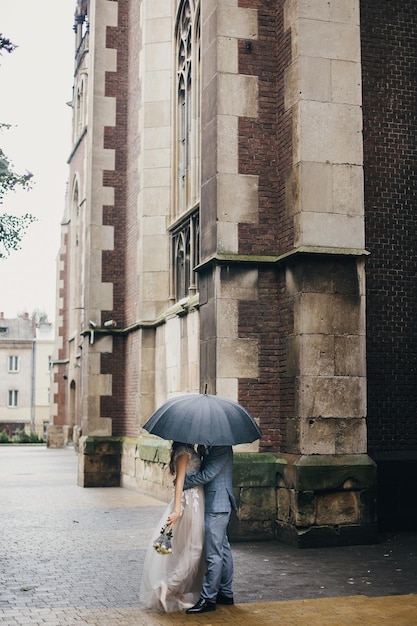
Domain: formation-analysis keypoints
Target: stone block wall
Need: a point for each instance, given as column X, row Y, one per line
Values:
column 144, row 467
column 306, row 501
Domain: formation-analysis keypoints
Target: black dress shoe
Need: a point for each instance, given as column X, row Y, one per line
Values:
column 202, row 606
column 222, row 599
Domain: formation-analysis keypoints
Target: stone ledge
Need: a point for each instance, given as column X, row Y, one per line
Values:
column 103, row 445
column 349, row 471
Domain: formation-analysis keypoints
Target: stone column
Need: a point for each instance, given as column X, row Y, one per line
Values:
column 97, row 295
column 326, row 491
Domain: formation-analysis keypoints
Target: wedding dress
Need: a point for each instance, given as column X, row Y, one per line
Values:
column 172, row 582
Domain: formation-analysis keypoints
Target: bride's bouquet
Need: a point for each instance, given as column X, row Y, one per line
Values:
column 163, row 544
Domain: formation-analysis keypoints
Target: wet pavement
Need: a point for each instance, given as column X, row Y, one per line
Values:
column 74, row 556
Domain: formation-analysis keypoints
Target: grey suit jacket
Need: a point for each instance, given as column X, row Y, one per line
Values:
column 216, row 475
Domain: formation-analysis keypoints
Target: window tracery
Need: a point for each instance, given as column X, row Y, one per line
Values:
column 185, row 235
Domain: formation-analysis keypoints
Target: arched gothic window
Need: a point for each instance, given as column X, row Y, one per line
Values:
column 185, row 233
column 76, row 257
column 79, row 110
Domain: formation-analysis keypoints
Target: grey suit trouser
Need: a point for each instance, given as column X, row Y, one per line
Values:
column 219, row 560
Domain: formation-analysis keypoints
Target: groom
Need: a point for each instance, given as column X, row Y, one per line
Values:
column 216, row 476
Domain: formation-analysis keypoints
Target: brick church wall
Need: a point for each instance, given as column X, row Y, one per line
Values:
column 389, row 71
column 121, row 264
column 265, row 149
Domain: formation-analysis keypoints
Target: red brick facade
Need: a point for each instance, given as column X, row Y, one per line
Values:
column 389, row 70
column 114, row 261
column 389, row 38
column 265, row 150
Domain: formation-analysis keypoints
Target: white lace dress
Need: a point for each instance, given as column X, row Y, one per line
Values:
column 172, row 582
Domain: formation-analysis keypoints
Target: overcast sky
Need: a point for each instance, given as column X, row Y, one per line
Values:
column 35, row 85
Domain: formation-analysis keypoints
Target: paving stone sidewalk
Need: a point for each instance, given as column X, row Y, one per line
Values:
column 74, row 556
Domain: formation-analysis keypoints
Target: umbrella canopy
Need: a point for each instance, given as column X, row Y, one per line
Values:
column 205, row 419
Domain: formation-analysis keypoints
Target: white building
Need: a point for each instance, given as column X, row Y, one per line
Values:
column 43, row 347
column 25, row 351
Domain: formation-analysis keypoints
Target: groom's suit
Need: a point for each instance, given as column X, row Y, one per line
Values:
column 216, row 475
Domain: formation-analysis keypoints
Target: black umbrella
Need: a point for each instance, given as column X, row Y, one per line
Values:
column 204, row 419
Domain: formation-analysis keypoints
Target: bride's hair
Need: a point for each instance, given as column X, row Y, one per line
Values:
column 201, row 451
column 175, row 446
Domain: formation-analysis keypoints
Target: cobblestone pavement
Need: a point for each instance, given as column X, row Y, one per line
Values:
column 74, row 556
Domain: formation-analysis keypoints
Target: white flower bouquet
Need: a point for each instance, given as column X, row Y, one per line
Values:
column 163, row 544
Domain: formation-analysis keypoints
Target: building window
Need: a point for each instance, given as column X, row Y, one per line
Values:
column 80, row 114
column 185, row 242
column 185, row 237
column 13, row 363
column 187, row 119
column 13, row 398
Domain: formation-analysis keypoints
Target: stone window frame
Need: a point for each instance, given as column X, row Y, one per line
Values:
column 184, row 230
column 185, row 246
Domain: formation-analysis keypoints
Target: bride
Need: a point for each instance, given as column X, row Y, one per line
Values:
column 172, row 581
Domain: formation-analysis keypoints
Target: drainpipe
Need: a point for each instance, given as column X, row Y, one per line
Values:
column 32, row 387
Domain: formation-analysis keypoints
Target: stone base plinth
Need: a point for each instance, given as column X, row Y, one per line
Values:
column 255, row 490
column 58, row 436
column 326, row 500
column 99, row 461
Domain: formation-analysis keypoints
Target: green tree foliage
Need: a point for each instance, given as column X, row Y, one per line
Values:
column 20, row 437
column 4, row 437
column 12, row 227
